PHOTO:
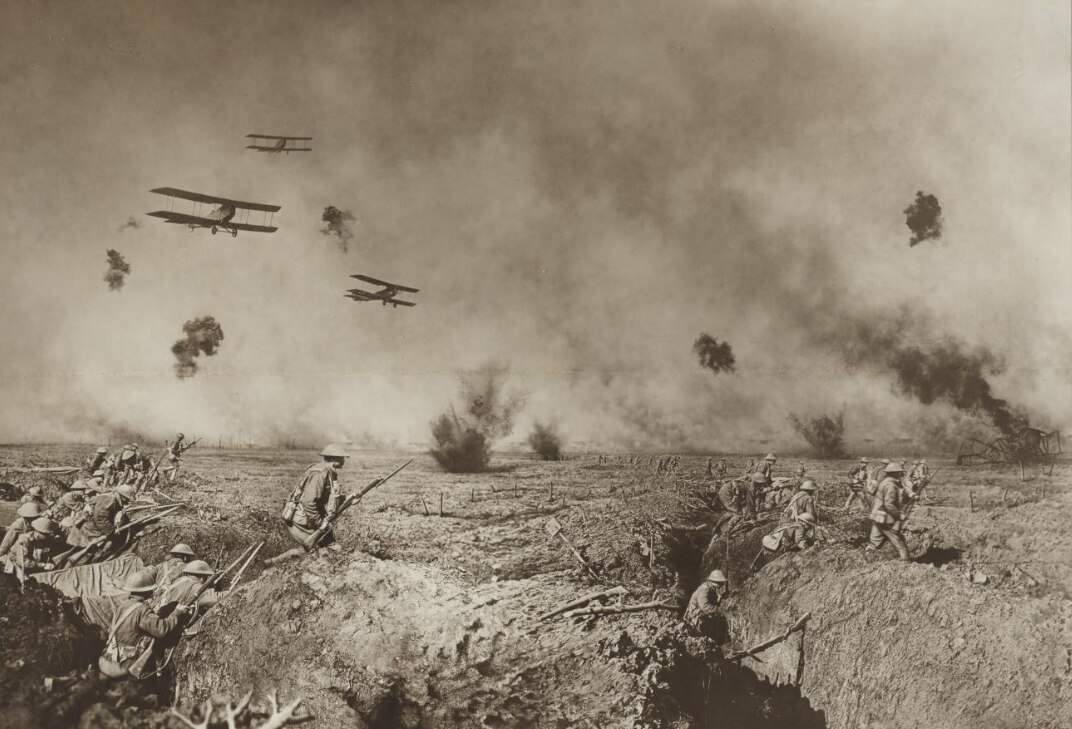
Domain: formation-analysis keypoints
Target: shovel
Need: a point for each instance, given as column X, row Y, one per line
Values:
column 553, row 528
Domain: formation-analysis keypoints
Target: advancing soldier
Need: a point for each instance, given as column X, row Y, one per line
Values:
column 720, row 468
column 95, row 461
column 767, row 467
column 857, row 484
column 174, row 452
column 127, row 463
column 134, row 625
column 703, row 611
column 877, row 474
column 25, row 515
column 802, row 472
column 886, row 513
column 33, row 495
column 803, row 501
column 171, row 568
column 314, row 500
column 183, row 589
column 35, row 549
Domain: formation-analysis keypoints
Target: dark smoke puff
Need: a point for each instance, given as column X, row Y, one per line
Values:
column 203, row 336
column 825, row 434
column 338, row 225
column 118, row 268
column 924, row 218
column 458, row 448
column 714, row 355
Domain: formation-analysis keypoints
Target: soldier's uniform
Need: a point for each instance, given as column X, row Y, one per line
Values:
column 34, row 550
column 69, row 504
column 886, row 514
column 704, row 604
column 21, row 524
column 183, row 589
column 803, row 502
column 96, row 461
column 134, row 624
column 318, row 497
column 104, row 511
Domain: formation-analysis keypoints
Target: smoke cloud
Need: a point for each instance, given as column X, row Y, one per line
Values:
column 924, row 218
column 462, row 443
column 546, row 441
column 825, row 433
column 132, row 223
column 714, row 355
column 118, row 268
column 202, row 336
column 338, row 225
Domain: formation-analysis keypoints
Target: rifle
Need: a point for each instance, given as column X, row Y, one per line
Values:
column 76, row 554
column 349, row 501
column 137, row 667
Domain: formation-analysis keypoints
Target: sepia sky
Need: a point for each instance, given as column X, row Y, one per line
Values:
column 578, row 189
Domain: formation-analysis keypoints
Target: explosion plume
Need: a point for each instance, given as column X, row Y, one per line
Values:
column 118, row 268
column 132, row 223
column 203, row 336
column 546, row 441
column 825, row 434
column 462, row 444
column 338, row 225
column 714, row 355
column 924, row 218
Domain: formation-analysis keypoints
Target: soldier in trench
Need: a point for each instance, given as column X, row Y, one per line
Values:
column 704, row 614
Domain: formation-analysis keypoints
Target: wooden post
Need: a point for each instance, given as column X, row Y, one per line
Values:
column 800, row 660
column 971, row 502
column 472, row 495
column 441, row 503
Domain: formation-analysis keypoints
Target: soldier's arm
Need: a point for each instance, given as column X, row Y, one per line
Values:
column 157, row 627
column 313, row 496
column 9, row 541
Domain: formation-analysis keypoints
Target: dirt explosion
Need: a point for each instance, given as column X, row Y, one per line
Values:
column 461, row 443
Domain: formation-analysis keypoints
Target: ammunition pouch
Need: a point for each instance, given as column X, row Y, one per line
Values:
column 290, row 509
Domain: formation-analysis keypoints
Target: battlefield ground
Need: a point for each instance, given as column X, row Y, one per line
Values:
column 430, row 613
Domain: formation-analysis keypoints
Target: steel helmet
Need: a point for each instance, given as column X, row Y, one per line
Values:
column 759, row 478
column 808, row 485
column 35, row 490
column 769, row 457
column 29, row 510
column 182, row 548
column 806, row 517
column 179, row 436
column 102, row 450
column 197, row 567
column 92, row 484
column 126, row 491
column 334, row 451
column 78, row 485
column 717, row 576
column 893, row 468
column 139, row 582
column 98, row 473
column 863, row 459
column 43, row 525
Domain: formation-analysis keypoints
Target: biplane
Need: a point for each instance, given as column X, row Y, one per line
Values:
column 386, row 295
column 281, row 144
column 221, row 215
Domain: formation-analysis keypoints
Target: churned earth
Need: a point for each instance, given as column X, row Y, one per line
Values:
column 429, row 615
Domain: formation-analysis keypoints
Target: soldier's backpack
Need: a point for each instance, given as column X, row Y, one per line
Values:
column 111, row 660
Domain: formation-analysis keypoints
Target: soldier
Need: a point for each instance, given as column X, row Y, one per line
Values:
column 757, row 486
column 313, row 501
column 703, row 610
column 710, row 470
column 25, row 515
column 877, row 474
column 106, row 511
column 95, row 461
column 886, row 513
column 803, row 501
column 35, row 549
column 183, row 589
column 720, row 468
column 133, row 625
column 802, row 472
column 72, row 502
column 128, row 461
column 174, row 451
column 857, row 484
column 767, row 467
column 34, row 495
column 171, row 568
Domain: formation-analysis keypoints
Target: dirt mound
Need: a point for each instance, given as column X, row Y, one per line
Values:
column 892, row 644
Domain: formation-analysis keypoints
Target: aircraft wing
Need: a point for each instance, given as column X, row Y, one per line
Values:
column 364, row 295
column 278, row 149
column 400, row 302
column 199, row 197
column 252, row 228
column 377, row 282
column 270, row 136
column 182, row 218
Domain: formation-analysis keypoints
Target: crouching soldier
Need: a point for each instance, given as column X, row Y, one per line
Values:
column 184, row 589
column 21, row 524
column 35, row 550
column 803, row 502
column 135, row 625
column 171, row 568
column 797, row 536
column 33, row 495
column 886, row 513
column 72, row 502
column 311, row 503
column 703, row 613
